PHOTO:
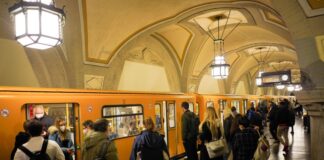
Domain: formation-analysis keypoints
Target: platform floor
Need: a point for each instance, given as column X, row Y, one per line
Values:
column 299, row 144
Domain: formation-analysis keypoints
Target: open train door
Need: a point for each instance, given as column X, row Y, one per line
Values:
column 67, row 111
column 165, row 120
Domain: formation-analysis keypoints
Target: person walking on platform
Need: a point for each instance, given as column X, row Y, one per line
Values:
column 97, row 145
column 21, row 138
column 283, row 123
column 245, row 141
column 149, row 145
column 273, row 121
column 209, row 129
column 231, row 127
column 189, row 130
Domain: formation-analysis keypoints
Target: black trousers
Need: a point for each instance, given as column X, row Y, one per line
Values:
column 191, row 149
column 273, row 131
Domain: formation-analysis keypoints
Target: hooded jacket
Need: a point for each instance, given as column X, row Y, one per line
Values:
column 150, row 139
column 92, row 145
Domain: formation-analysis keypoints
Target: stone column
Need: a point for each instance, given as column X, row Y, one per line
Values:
column 313, row 102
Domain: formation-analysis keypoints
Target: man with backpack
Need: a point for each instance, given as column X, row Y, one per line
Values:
column 189, row 129
column 37, row 148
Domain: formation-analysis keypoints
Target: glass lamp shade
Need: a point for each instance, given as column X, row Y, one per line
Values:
column 220, row 69
column 38, row 23
column 258, row 81
column 290, row 88
column 280, row 86
column 298, row 87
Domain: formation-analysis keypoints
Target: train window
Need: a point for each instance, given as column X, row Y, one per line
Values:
column 236, row 104
column 210, row 104
column 158, row 121
column 191, row 107
column 124, row 120
column 171, row 111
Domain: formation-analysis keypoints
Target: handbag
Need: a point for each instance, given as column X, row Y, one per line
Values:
column 263, row 149
column 216, row 148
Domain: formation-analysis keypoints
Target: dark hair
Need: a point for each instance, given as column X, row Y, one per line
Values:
column 35, row 128
column 185, row 105
column 25, row 125
column 100, row 125
column 88, row 123
column 149, row 124
column 252, row 108
column 233, row 109
column 244, row 121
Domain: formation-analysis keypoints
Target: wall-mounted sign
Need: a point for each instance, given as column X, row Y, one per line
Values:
column 271, row 78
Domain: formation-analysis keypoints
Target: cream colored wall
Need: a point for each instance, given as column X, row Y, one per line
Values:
column 209, row 85
column 241, row 89
column 15, row 68
column 143, row 77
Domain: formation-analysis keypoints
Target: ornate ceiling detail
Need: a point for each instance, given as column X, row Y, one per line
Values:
column 312, row 7
column 272, row 18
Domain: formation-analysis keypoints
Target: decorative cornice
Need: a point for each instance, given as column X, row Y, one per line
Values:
column 311, row 97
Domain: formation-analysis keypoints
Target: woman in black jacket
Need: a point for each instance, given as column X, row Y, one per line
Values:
column 210, row 129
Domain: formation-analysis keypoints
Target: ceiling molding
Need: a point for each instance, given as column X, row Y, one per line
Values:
column 309, row 10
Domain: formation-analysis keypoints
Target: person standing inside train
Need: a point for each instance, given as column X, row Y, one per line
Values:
column 63, row 138
column 41, row 116
column 189, row 130
column 210, row 129
column 97, row 145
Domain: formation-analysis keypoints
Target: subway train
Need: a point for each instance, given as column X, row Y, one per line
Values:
column 125, row 111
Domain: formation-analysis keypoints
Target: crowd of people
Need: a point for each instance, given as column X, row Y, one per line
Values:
column 236, row 138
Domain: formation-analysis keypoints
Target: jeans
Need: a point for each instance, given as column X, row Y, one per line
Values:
column 191, row 149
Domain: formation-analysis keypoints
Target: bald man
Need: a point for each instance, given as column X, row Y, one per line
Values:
column 41, row 116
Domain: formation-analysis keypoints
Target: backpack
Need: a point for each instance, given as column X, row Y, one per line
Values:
column 194, row 122
column 38, row 155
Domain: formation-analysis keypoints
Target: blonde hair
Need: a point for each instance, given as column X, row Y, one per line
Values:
column 149, row 124
column 211, row 118
column 63, row 135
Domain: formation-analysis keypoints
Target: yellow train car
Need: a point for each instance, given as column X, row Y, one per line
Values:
column 119, row 108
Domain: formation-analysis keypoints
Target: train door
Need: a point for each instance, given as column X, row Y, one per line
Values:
column 171, row 127
column 69, row 113
column 222, row 106
column 162, row 120
column 236, row 104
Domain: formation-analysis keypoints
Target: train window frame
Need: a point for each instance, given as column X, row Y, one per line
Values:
column 161, row 116
column 123, row 115
column 191, row 107
column 76, row 120
column 172, row 104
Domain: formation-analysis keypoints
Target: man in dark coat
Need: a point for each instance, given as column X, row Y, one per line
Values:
column 189, row 132
column 283, row 123
column 273, row 121
column 41, row 116
column 245, row 141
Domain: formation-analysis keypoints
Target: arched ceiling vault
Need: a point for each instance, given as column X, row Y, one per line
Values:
column 176, row 28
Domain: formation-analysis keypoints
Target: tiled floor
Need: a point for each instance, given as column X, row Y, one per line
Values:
column 299, row 145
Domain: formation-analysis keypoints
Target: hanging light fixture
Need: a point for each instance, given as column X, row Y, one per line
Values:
column 38, row 23
column 280, row 86
column 261, row 62
column 290, row 88
column 219, row 67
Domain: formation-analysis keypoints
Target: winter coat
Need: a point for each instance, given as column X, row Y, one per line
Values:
column 189, row 126
column 66, row 145
column 152, row 140
column 206, row 136
column 93, row 143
